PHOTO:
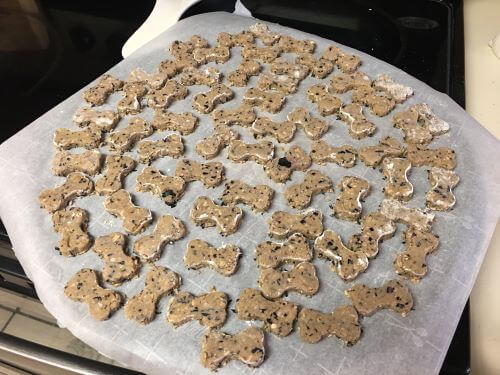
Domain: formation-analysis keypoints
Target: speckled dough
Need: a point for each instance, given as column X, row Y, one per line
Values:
column 398, row 91
column 134, row 219
column 283, row 132
column 379, row 102
column 441, row 157
column 313, row 127
column 267, row 101
column 261, row 31
column 116, row 168
column 90, row 138
column 104, row 120
column 346, row 62
column 419, row 124
column 413, row 217
column 263, row 54
column 327, row 103
column 148, row 151
column 258, row 197
column 133, row 92
column 243, row 115
column 375, row 228
column 242, row 39
column 178, row 48
column 322, row 153
column 352, row 192
column 88, row 162
column 373, row 155
column 283, row 224
column 205, row 102
column 98, row 94
column 291, row 45
column 320, row 68
column 211, row 146
column 218, row 54
column 208, row 76
column 280, row 169
column 210, row 174
column 441, row 197
column 297, row 71
column 200, row 254
column 282, row 83
column 260, row 152
column 295, row 249
column 359, row 126
column 76, row 185
column 184, row 123
column 240, row 76
column 299, row 196
column 123, row 140
column 301, row 278
column 168, row 188
column 71, row 224
column 397, row 184
column 162, row 98
column 206, row 213
column 343, row 82
column 153, row 80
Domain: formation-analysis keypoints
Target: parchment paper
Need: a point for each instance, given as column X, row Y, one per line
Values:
column 390, row 344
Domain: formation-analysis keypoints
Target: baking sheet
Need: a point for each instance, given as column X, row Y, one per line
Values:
column 390, row 344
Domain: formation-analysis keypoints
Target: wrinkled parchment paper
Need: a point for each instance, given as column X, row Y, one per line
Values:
column 390, row 344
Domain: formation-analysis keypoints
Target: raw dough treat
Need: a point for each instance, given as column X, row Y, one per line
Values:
column 207, row 76
column 282, row 83
column 153, row 80
column 411, row 263
column 162, row 98
column 210, row 146
column 243, row 115
column 258, row 197
column 178, row 48
column 327, row 103
column 171, row 145
column 440, row 197
column 398, row 91
column 319, row 68
column 322, row 153
column 71, row 224
column 292, row 45
column 184, row 123
column 168, row 230
column 90, row 138
column 118, row 266
column 373, row 155
column 344, row 61
column 242, row 39
column 346, row 263
column 206, row 213
column 313, row 127
column 283, row 224
column 260, row 152
column 346, row 82
column 84, row 287
column 160, row 281
column 219, row 348
column 267, row 101
column 379, row 102
column 280, row 169
column 98, row 94
column 359, row 126
column 172, row 67
column 441, row 157
column 263, row 54
column 218, row 54
column 168, row 188
column 123, row 140
column 88, row 162
column 343, row 323
column 392, row 295
column 205, row 102
column 209, row 309
column 184, row 61
column 76, row 185
column 283, row 132
column 299, row 196
column 210, row 174
column 261, row 31
column 301, row 278
column 103, row 120
column 242, row 74
column 133, row 93
column 352, row 192
column 295, row 249
column 134, row 219
column 420, row 124
column 278, row 315
column 375, row 228
column 116, row 168
column 297, row 71
column 413, row 217
column 200, row 254
column 396, row 171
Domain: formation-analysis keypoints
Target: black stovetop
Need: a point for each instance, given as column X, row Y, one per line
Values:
column 73, row 42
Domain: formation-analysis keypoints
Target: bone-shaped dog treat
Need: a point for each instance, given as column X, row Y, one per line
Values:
column 208, row 76
column 278, row 315
column 153, row 80
column 184, row 123
column 242, row 74
column 210, row 174
column 346, row 82
column 396, row 172
column 295, row 249
column 373, row 155
column 413, row 217
column 326, row 103
column 218, row 54
column 160, row 281
column 206, row 213
column 398, row 91
column 118, row 266
column 84, row 287
column 441, row 157
column 263, row 54
column 76, row 185
column 168, row 230
column 261, row 31
column 168, row 188
column 242, row 39
column 283, row 224
column 346, row 263
column 182, row 62
column 297, row 71
column 258, row 197
column 103, row 120
column 267, row 101
column 301, row 278
column 200, row 254
column 88, row 162
column 134, row 219
column 123, row 140
column 205, row 102
column 313, row 127
column 171, row 145
column 72, row 223
column 280, row 169
column 162, row 98
column 283, row 132
column 133, row 93
column 379, row 102
column 441, row 197
column 210, row 146
column 282, row 83
column 292, row 45
column 98, row 94
column 260, row 152
column 243, row 115
column 343, row 323
column 346, row 62
column 420, row 124
column 352, row 192
column 178, row 48
column 172, row 67
column 392, row 295
column 116, row 168
column 320, row 68
column 375, row 227
column 411, row 263
column 359, row 126
column 219, row 348
column 322, row 153
column 89, row 138
column 299, row 196
column 209, row 309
